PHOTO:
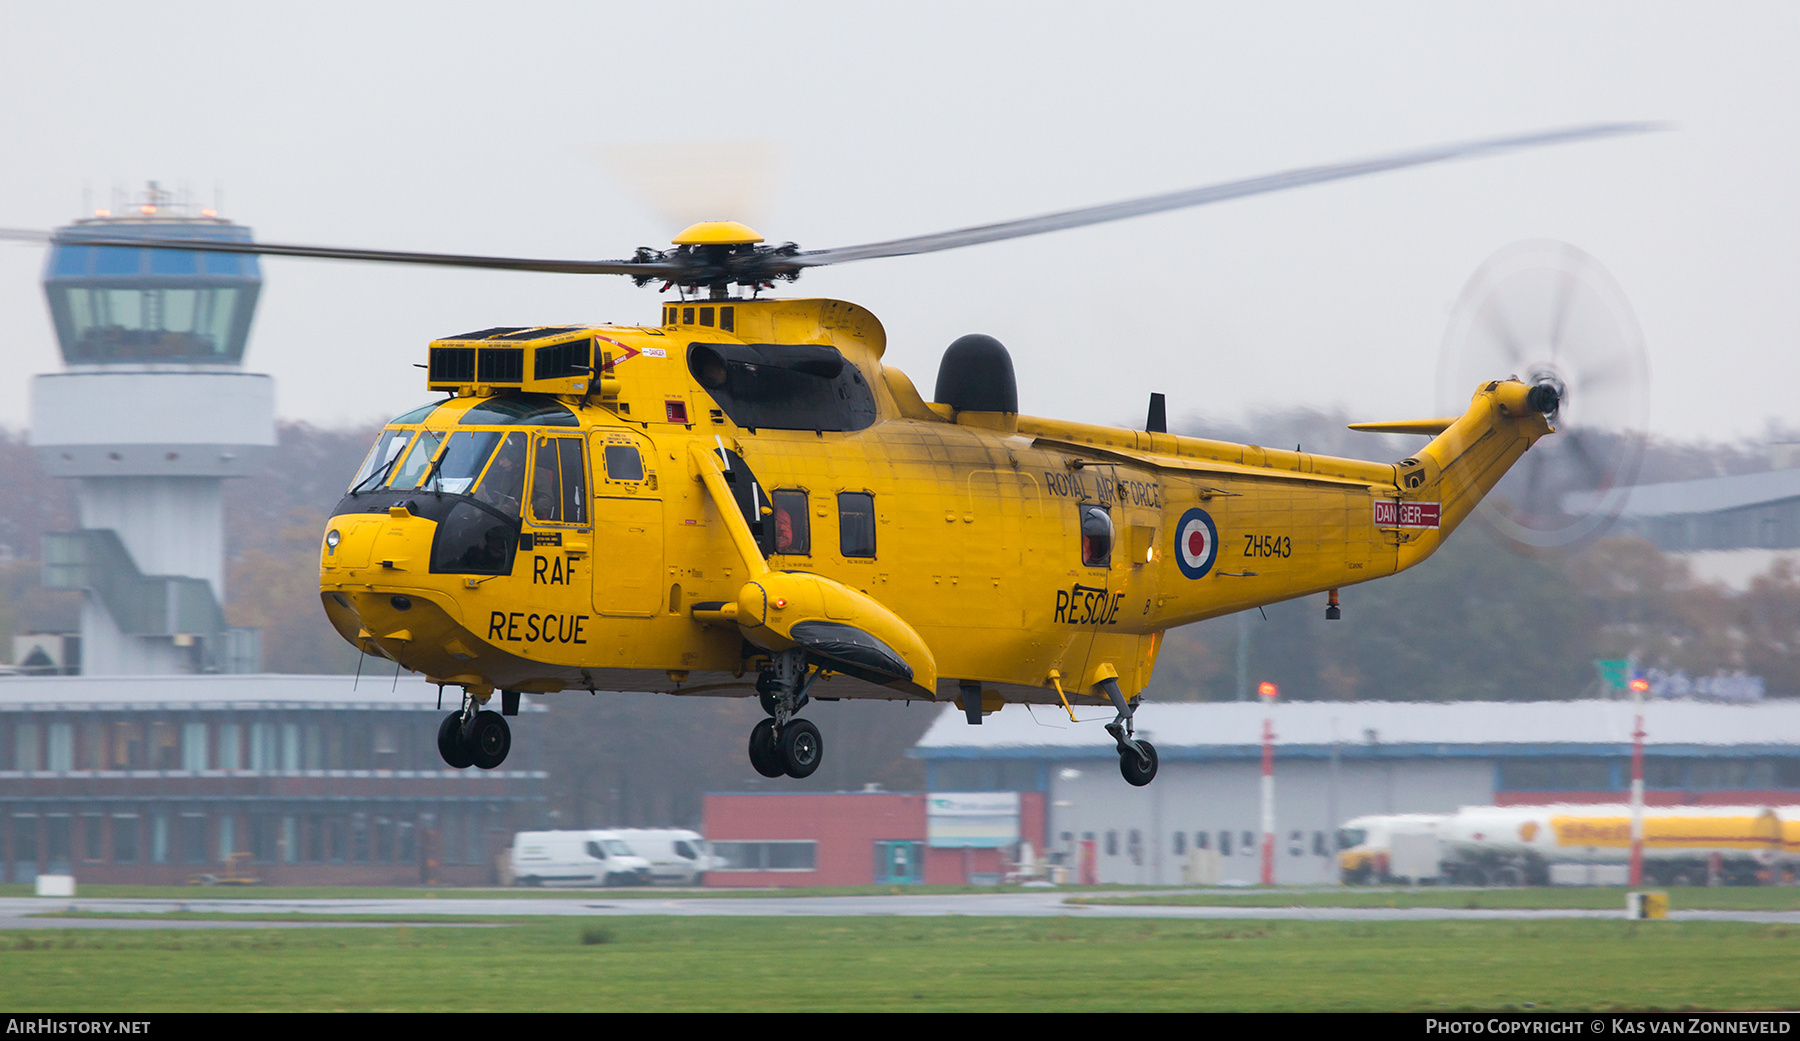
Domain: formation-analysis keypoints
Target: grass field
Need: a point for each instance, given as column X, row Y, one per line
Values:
column 961, row 964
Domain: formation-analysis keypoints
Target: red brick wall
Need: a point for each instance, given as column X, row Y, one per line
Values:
column 846, row 826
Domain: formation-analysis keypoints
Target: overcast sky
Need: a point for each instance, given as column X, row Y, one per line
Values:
column 463, row 128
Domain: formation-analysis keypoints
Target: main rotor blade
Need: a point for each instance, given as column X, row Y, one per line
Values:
column 649, row 269
column 1212, row 193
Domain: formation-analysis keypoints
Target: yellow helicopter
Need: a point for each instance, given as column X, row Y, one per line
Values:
column 745, row 499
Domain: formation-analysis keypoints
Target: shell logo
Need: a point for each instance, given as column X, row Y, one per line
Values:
column 1528, row 831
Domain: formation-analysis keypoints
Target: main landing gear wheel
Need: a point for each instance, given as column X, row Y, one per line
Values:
column 1139, row 770
column 801, row 748
column 765, row 757
column 450, row 743
column 489, row 740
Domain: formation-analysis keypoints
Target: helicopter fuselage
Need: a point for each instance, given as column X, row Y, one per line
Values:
column 661, row 508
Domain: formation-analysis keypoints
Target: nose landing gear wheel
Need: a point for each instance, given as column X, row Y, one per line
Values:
column 765, row 757
column 489, row 740
column 450, row 743
column 801, row 748
column 1139, row 771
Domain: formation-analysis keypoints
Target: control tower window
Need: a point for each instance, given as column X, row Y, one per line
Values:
column 114, row 325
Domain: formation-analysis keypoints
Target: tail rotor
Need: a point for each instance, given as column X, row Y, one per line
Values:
column 1548, row 314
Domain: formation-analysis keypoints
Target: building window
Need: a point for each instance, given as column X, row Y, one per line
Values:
column 290, row 840
column 1200, row 838
column 159, row 839
column 1224, row 843
column 128, row 745
column 93, row 745
column 25, row 747
column 91, row 848
column 227, row 837
column 165, row 747
column 125, row 838
column 767, row 856
column 1555, row 774
column 56, row 843
column 315, row 838
column 1318, row 845
column 262, row 838
column 25, row 846
column 1112, row 843
column 1296, row 843
column 230, row 754
column 59, row 751
column 193, row 838
column 290, row 746
column 193, row 746
column 1246, row 843
column 1180, row 847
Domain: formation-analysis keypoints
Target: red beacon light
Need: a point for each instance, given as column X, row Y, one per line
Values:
column 1268, row 690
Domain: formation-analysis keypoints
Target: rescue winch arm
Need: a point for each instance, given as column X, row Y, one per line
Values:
column 754, row 564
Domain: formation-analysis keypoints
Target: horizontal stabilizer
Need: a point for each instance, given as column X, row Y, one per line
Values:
column 1428, row 427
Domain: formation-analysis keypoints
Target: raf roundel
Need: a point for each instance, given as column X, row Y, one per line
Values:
column 1196, row 543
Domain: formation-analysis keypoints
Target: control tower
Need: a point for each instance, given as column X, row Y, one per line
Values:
column 150, row 415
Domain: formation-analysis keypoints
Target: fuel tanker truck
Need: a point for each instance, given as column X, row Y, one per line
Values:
column 1517, row 845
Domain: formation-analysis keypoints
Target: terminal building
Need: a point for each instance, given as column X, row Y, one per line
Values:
column 1200, row 821
column 279, row 780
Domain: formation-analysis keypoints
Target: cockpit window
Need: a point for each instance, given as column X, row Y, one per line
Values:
column 380, row 460
column 503, row 485
column 417, row 461
column 534, row 409
column 416, row 416
column 465, row 454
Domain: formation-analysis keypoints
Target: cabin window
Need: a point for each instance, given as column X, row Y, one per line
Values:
column 623, row 463
column 793, row 529
column 856, row 524
column 558, row 484
column 1096, row 536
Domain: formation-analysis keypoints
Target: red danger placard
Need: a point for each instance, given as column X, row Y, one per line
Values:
column 1406, row 514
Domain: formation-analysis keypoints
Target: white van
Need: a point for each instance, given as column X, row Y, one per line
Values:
column 676, row 855
column 576, row 858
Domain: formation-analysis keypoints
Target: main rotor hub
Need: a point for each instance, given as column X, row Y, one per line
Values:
column 717, row 233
